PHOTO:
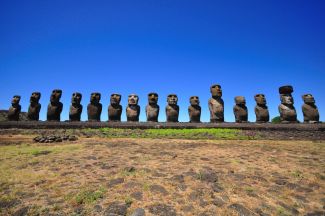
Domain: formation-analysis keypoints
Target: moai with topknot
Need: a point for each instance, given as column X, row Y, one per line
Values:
column 94, row 108
column 287, row 111
column 34, row 107
column 309, row 109
column 194, row 110
column 115, row 109
column 14, row 109
column 55, row 107
column 75, row 107
column 133, row 109
column 152, row 109
column 172, row 109
column 261, row 109
column 240, row 110
column 216, row 104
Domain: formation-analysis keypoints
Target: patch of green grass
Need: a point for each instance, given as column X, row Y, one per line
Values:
column 297, row 174
column 89, row 196
column 249, row 189
column 280, row 211
column 198, row 133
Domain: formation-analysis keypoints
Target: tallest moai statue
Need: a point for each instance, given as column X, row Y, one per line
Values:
column 216, row 104
column 287, row 111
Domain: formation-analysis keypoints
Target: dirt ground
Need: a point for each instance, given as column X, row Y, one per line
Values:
column 133, row 176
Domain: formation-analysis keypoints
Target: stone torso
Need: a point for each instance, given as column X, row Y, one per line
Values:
column 216, row 107
column 194, row 113
column 94, row 111
column 310, row 112
column 241, row 113
column 152, row 112
column 33, row 112
column 75, row 112
column 287, row 114
column 13, row 113
column 114, row 113
column 132, row 112
column 54, row 111
column 262, row 114
column 172, row 113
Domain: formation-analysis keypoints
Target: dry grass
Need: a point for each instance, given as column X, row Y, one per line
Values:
column 192, row 176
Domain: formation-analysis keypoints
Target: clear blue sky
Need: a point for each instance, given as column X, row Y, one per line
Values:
column 170, row 46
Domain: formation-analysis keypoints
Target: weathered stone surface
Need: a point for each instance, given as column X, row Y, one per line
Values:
column 133, row 109
column 34, row 107
column 139, row 212
column 14, row 110
column 116, row 209
column 309, row 109
column 261, row 109
column 240, row 110
column 287, row 111
column 172, row 109
column 115, row 109
column 241, row 210
column 216, row 104
column 114, row 182
column 162, row 210
column 194, row 110
column 94, row 108
column 152, row 109
column 55, row 107
column 76, row 107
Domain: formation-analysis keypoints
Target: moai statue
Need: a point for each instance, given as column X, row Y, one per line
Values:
column 261, row 110
column 14, row 110
column 75, row 107
column 133, row 109
column 309, row 109
column 172, row 109
column 55, row 107
column 240, row 110
column 34, row 107
column 287, row 111
column 194, row 110
column 94, row 108
column 152, row 109
column 216, row 104
column 115, row 109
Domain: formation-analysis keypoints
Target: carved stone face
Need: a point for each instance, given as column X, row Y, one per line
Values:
column 95, row 97
column 76, row 98
column 115, row 99
column 15, row 100
column 172, row 99
column 308, row 99
column 287, row 99
column 194, row 101
column 133, row 99
column 216, row 90
column 56, row 95
column 35, row 97
column 240, row 100
column 260, row 99
column 152, row 98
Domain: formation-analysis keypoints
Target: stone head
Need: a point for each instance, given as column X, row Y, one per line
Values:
column 115, row 99
column 15, row 100
column 35, row 97
column 260, row 99
column 216, row 90
column 172, row 99
column 194, row 101
column 308, row 99
column 133, row 99
column 56, row 95
column 95, row 97
column 286, row 99
column 240, row 100
column 152, row 98
column 76, row 98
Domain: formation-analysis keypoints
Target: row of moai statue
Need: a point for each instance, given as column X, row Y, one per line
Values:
column 287, row 110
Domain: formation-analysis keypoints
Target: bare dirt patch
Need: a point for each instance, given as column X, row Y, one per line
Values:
column 102, row 176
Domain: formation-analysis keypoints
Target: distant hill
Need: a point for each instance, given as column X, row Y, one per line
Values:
column 4, row 113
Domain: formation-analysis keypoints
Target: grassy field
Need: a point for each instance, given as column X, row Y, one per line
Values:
column 103, row 174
